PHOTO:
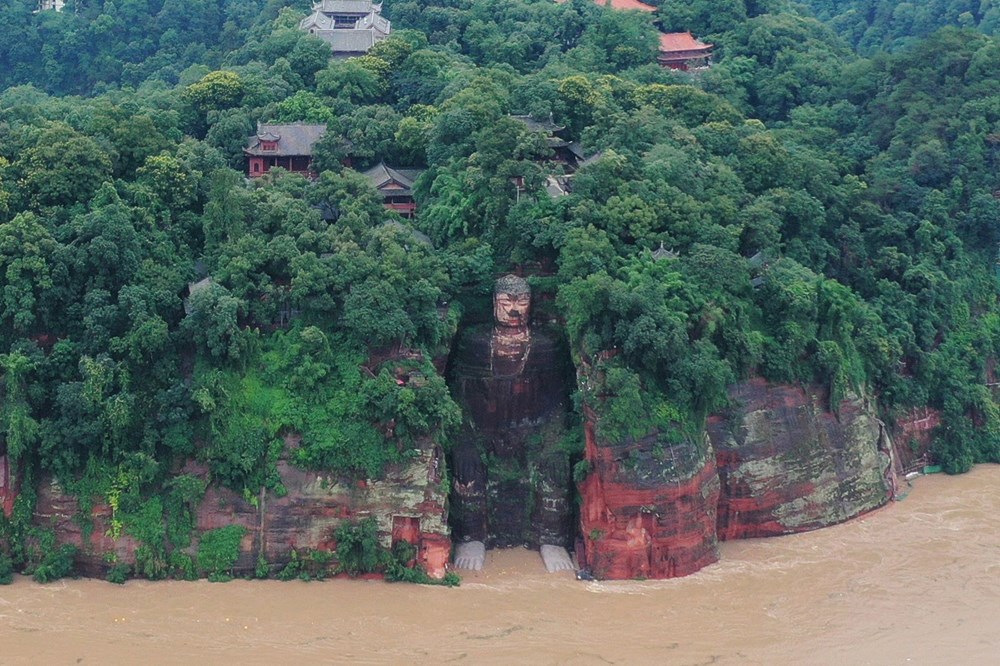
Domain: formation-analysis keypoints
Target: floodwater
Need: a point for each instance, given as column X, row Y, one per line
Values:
column 915, row 583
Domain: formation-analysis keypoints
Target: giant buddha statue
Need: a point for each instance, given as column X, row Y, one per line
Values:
column 511, row 482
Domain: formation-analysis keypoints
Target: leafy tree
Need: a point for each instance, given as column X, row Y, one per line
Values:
column 215, row 91
column 213, row 321
column 62, row 167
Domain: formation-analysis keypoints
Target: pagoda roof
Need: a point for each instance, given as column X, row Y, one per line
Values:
column 293, row 139
column 317, row 21
column 681, row 41
column 663, row 253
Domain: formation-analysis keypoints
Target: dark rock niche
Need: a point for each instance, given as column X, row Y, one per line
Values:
column 512, row 480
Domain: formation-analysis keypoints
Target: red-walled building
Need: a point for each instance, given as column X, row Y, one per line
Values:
column 682, row 51
column 287, row 146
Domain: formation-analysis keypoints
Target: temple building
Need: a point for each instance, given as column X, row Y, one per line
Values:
column 395, row 186
column 287, row 146
column 563, row 152
column 683, row 52
column 45, row 5
column 350, row 27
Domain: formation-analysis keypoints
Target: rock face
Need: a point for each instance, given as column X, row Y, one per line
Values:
column 779, row 462
column 788, row 464
column 408, row 505
column 912, row 433
column 90, row 534
column 648, row 509
column 8, row 491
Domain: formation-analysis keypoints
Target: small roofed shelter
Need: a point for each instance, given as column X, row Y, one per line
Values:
column 395, row 187
column 683, row 52
column 287, row 146
column 350, row 27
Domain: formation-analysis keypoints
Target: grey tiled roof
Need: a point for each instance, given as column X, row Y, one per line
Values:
column 539, row 125
column 590, row 160
column 380, row 175
column 349, row 40
column 294, row 139
column 418, row 235
column 373, row 21
column 316, row 21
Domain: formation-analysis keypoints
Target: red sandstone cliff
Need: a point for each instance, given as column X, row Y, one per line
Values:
column 8, row 489
column 788, row 464
column 408, row 504
column 778, row 462
column 97, row 548
column 647, row 511
column 912, row 433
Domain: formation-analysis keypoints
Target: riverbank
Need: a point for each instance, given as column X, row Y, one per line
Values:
column 915, row 583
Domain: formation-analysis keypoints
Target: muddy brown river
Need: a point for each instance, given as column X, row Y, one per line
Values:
column 915, row 583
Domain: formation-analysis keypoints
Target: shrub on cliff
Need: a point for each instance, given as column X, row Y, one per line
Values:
column 359, row 551
column 358, row 548
column 218, row 551
column 56, row 564
column 6, row 570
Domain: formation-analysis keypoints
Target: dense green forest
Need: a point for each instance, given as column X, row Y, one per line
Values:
column 873, row 25
column 829, row 191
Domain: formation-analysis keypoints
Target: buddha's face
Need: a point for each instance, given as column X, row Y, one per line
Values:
column 511, row 309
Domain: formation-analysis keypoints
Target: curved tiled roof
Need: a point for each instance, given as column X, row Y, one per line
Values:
column 628, row 4
column 623, row 5
column 681, row 41
column 346, row 6
column 381, row 176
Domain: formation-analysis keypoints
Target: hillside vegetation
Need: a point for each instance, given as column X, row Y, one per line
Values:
column 832, row 214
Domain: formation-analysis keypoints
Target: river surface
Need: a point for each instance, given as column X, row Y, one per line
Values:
column 915, row 583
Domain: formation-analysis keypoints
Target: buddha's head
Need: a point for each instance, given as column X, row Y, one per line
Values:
column 511, row 302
